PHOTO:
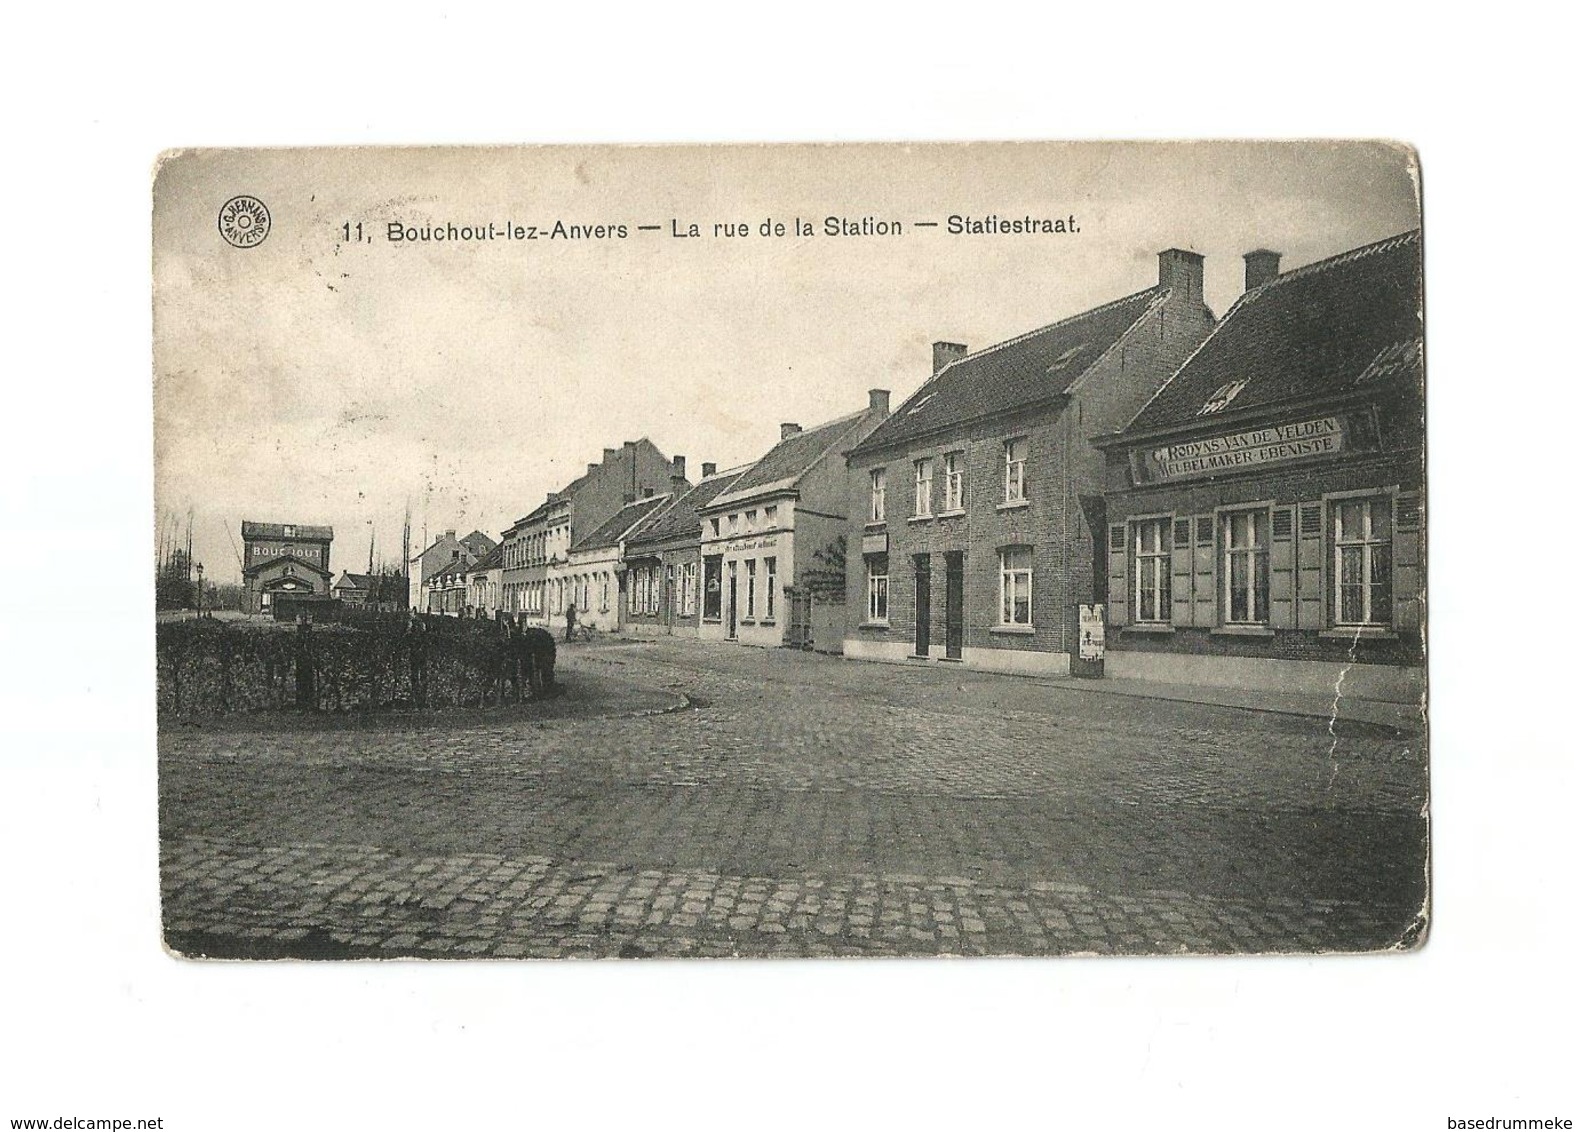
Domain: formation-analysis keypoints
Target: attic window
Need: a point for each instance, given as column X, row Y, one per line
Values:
column 1223, row 396
column 1064, row 359
column 291, row 532
column 921, row 401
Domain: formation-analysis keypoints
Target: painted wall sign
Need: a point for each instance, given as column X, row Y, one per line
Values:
column 876, row 544
column 739, row 544
column 1276, row 444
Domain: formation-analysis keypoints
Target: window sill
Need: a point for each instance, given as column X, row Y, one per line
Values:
column 920, row 518
column 1013, row 630
column 769, row 621
column 873, row 525
column 1011, row 505
column 712, row 620
column 873, row 625
column 1149, row 628
column 1242, row 631
column 952, row 513
column 1359, row 632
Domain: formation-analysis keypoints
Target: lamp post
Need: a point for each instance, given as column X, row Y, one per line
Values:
column 199, row 568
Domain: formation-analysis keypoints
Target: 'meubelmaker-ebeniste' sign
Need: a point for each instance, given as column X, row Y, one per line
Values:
column 1325, row 436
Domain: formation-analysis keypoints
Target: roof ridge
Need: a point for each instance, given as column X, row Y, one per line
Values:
column 1389, row 243
column 1026, row 334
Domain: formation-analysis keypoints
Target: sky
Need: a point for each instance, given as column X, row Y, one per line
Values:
column 316, row 379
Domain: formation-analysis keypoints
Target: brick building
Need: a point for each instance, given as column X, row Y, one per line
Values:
column 284, row 559
column 973, row 527
column 773, row 539
column 442, row 554
column 536, row 578
column 664, row 562
column 1264, row 510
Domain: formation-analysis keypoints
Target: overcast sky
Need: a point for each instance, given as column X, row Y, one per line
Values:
column 307, row 380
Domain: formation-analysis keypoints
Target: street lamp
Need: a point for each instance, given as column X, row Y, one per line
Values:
column 199, row 568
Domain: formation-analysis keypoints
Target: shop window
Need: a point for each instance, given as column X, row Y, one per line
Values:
column 752, row 587
column 1016, row 585
column 1016, row 470
column 878, row 567
column 1244, row 567
column 711, row 586
column 769, row 587
column 1151, row 571
column 953, row 482
column 1361, row 534
column 876, row 495
column 923, row 488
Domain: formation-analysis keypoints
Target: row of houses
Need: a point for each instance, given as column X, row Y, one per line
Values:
column 1234, row 500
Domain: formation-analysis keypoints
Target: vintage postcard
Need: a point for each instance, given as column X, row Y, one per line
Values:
column 858, row 550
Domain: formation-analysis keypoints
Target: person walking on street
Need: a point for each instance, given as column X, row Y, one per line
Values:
column 571, row 620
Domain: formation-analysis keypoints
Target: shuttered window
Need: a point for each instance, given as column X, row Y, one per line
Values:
column 1362, row 565
column 1151, row 570
column 1244, row 570
column 1118, row 602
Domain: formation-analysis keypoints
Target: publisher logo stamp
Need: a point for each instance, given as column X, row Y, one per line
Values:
column 244, row 222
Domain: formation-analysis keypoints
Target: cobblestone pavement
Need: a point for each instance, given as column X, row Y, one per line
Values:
column 797, row 805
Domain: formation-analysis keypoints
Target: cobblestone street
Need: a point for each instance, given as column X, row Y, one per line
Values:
column 755, row 803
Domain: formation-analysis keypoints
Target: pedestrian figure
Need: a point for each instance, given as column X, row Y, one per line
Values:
column 571, row 620
column 515, row 657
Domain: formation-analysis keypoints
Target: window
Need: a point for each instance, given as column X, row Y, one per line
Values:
column 752, row 587
column 752, row 520
column 876, row 496
column 923, row 488
column 878, row 586
column 655, row 596
column 714, row 527
column 769, row 588
column 1244, row 541
column 689, row 588
column 953, row 493
column 1016, row 585
column 291, row 532
column 769, row 515
column 1151, row 570
column 1362, row 561
column 1016, row 470
column 733, row 524
column 711, row 586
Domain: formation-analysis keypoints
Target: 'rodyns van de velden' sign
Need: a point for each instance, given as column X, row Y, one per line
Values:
column 1275, row 444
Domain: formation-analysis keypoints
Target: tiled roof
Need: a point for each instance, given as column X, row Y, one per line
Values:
column 278, row 530
column 479, row 543
column 681, row 519
column 1321, row 329
column 787, row 461
column 358, row 581
column 1033, row 368
column 494, row 560
column 609, row 532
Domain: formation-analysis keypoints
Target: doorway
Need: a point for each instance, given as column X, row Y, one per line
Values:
column 730, row 594
column 920, row 574
column 953, row 603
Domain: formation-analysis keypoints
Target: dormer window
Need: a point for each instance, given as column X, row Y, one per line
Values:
column 1222, row 397
column 291, row 532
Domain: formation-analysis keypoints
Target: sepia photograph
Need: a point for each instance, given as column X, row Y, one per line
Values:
column 804, row 551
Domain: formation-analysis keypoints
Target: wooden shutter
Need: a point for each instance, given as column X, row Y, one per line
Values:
column 1119, row 600
column 1204, row 603
column 1407, row 546
column 1282, row 568
column 1310, row 566
column 1181, row 572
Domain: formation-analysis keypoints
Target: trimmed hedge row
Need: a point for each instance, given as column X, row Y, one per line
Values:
column 211, row 668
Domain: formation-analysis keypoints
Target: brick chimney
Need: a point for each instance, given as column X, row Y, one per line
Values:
column 879, row 401
column 709, row 470
column 945, row 353
column 1262, row 266
column 610, row 453
column 1182, row 272
column 789, row 429
column 592, row 468
column 678, row 467
column 451, row 534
